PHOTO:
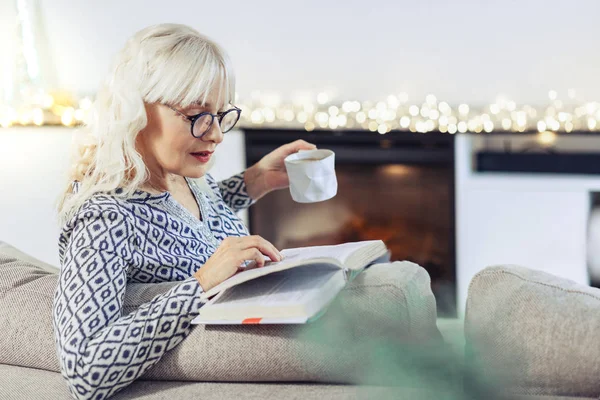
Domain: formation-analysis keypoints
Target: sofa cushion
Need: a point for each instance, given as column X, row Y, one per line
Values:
column 19, row 383
column 374, row 326
column 26, row 333
column 12, row 251
column 534, row 333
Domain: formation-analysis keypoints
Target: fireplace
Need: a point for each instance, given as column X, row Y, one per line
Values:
column 397, row 187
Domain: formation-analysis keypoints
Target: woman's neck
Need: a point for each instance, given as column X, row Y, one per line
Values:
column 160, row 183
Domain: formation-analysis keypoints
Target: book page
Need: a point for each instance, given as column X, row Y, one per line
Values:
column 288, row 262
column 292, row 296
column 340, row 252
column 291, row 287
column 333, row 255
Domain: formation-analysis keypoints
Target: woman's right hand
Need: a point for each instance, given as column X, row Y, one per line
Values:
column 229, row 257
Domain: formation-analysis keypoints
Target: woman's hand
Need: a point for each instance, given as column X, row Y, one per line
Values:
column 230, row 255
column 269, row 173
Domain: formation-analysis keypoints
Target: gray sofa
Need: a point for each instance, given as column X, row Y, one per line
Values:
column 526, row 335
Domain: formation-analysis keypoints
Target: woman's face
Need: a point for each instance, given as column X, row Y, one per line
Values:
column 167, row 145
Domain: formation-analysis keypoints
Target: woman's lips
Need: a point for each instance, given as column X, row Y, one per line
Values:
column 202, row 156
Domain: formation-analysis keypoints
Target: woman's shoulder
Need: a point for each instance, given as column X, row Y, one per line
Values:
column 113, row 201
column 102, row 215
column 102, row 206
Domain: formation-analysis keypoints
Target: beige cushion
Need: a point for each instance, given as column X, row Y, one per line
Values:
column 9, row 250
column 534, row 333
column 387, row 306
column 26, row 334
column 18, row 383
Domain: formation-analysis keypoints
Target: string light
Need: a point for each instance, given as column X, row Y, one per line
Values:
column 395, row 113
column 546, row 138
column 433, row 114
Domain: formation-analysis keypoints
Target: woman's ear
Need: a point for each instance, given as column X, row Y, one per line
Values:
column 151, row 110
column 152, row 118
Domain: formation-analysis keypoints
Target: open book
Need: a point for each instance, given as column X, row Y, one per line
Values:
column 295, row 290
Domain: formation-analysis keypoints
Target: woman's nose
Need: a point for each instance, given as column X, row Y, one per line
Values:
column 214, row 133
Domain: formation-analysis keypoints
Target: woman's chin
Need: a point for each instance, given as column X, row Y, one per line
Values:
column 195, row 171
column 197, row 168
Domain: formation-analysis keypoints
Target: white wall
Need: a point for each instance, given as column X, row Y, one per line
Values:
column 539, row 221
column 33, row 168
column 33, row 165
column 462, row 50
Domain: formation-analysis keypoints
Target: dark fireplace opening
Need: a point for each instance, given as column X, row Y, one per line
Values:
column 393, row 188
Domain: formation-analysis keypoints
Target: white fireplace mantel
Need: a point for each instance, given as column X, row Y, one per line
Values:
column 535, row 220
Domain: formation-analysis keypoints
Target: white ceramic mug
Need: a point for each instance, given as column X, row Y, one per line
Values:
column 312, row 175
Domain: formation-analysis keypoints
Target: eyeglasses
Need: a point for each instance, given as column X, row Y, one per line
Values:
column 202, row 122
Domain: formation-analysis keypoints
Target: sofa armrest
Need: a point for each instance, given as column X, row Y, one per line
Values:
column 534, row 333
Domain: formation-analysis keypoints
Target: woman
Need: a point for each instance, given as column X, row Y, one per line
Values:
column 142, row 208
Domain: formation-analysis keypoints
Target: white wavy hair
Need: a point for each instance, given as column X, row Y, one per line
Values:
column 168, row 63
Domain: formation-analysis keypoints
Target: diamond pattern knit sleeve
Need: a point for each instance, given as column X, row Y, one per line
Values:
column 101, row 350
column 234, row 192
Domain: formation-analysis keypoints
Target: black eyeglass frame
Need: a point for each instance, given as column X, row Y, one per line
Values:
column 219, row 116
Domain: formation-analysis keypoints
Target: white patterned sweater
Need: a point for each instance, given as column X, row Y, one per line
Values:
column 113, row 241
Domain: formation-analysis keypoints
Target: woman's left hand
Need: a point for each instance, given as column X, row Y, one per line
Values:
column 269, row 173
